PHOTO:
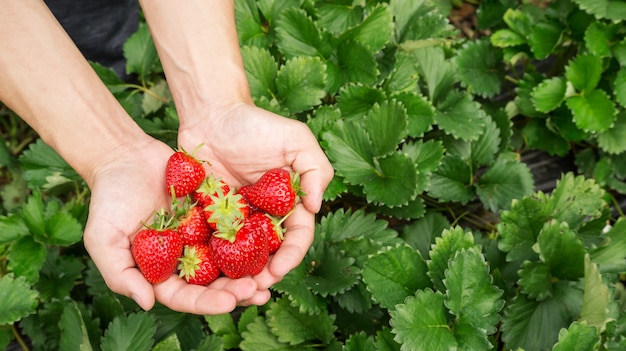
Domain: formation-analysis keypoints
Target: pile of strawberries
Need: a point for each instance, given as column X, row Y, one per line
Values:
column 213, row 229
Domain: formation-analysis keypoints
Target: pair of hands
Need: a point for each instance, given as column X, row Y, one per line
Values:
column 240, row 144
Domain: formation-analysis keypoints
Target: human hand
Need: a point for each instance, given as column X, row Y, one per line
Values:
column 241, row 143
column 126, row 191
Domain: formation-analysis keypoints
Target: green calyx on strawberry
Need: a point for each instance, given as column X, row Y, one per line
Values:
column 156, row 249
column 242, row 249
column 210, row 186
column 183, row 173
column 190, row 222
column 275, row 231
column 276, row 192
column 226, row 209
column 197, row 265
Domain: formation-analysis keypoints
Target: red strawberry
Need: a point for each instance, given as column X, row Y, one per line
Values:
column 192, row 225
column 183, row 174
column 197, row 265
column 227, row 209
column 275, row 232
column 210, row 186
column 156, row 251
column 243, row 191
column 242, row 250
column 275, row 192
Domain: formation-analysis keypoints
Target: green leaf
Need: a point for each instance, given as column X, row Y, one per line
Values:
column 452, row 181
column 350, row 150
column 452, row 240
column 471, row 295
column 375, row 30
column 300, row 83
column 562, row 250
column 250, row 28
column 395, row 181
column 438, row 72
column 258, row 337
column 404, row 74
column 503, row 182
column 478, row 67
column 519, row 21
column 421, row 234
column 337, row 18
column 610, row 9
column 505, row 38
column 544, row 38
column 612, row 253
column 74, row 335
column 479, row 152
column 261, row 70
column 41, row 165
column 620, row 87
column 26, row 258
column 535, row 280
column 460, row 116
column 356, row 63
column 140, row 53
column 333, row 272
column 223, row 326
column 593, row 112
column 17, row 299
column 298, row 34
column 549, row 94
column 395, row 274
column 599, row 38
column 421, row 323
column 575, row 200
column 427, row 156
column 59, row 274
column 295, row 328
column 386, row 125
column 584, row 72
column 519, row 227
column 134, row 331
column 355, row 100
column 596, row 297
column 613, row 140
column 420, row 113
column 419, row 21
column 299, row 294
column 62, row 229
column 12, row 227
column 578, row 337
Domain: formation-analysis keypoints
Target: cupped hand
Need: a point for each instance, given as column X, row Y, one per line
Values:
column 125, row 192
column 240, row 143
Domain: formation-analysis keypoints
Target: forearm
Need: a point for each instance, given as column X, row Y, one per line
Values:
column 198, row 46
column 47, row 82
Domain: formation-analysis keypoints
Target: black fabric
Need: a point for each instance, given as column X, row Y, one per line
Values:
column 99, row 27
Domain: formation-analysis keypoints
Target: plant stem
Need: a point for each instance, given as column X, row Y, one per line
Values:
column 19, row 339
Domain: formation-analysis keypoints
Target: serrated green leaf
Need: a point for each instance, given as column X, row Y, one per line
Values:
column 549, row 94
column 341, row 226
column 59, row 274
column 578, row 337
column 297, row 34
column 427, row 156
column 421, row 233
column 620, row 87
column 544, row 38
column 40, row 162
column 355, row 100
column 539, row 136
column 250, row 28
column 74, row 335
column 421, row 323
column 292, row 327
column 299, row 294
column 62, row 229
column 360, row 342
column 596, row 297
column 420, row 113
column 584, row 72
column 386, row 125
column 404, row 75
column 478, row 66
column 470, row 337
column 337, row 18
column 562, row 250
column 356, row 63
column 300, row 83
column 223, row 326
column 535, row 280
column 519, row 21
column 599, row 38
column 503, row 182
column 418, row 20
column 349, row 149
column 471, row 295
column 576, row 199
column 593, row 112
column 610, row 9
column 395, row 274
column 519, row 227
column 504, row 38
column 395, row 183
column 613, row 140
column 460, row 116
column 131, row 332
column 331, row 272
column 17, row 299
column 613, row 251
column 375, row 30
column 261, row 70
column 479, row 152
column 26, row 258
column 452, row 181
column 12, row 227
column 439, row 73
column 258, row 337
column 140, row 53
column 452, row 240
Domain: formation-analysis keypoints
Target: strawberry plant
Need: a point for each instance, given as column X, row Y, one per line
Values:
column 433, row 234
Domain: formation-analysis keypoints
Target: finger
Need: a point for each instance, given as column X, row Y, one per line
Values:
column 261, row 297
column 222, row 296
column 316, row 172
column 298, row 238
